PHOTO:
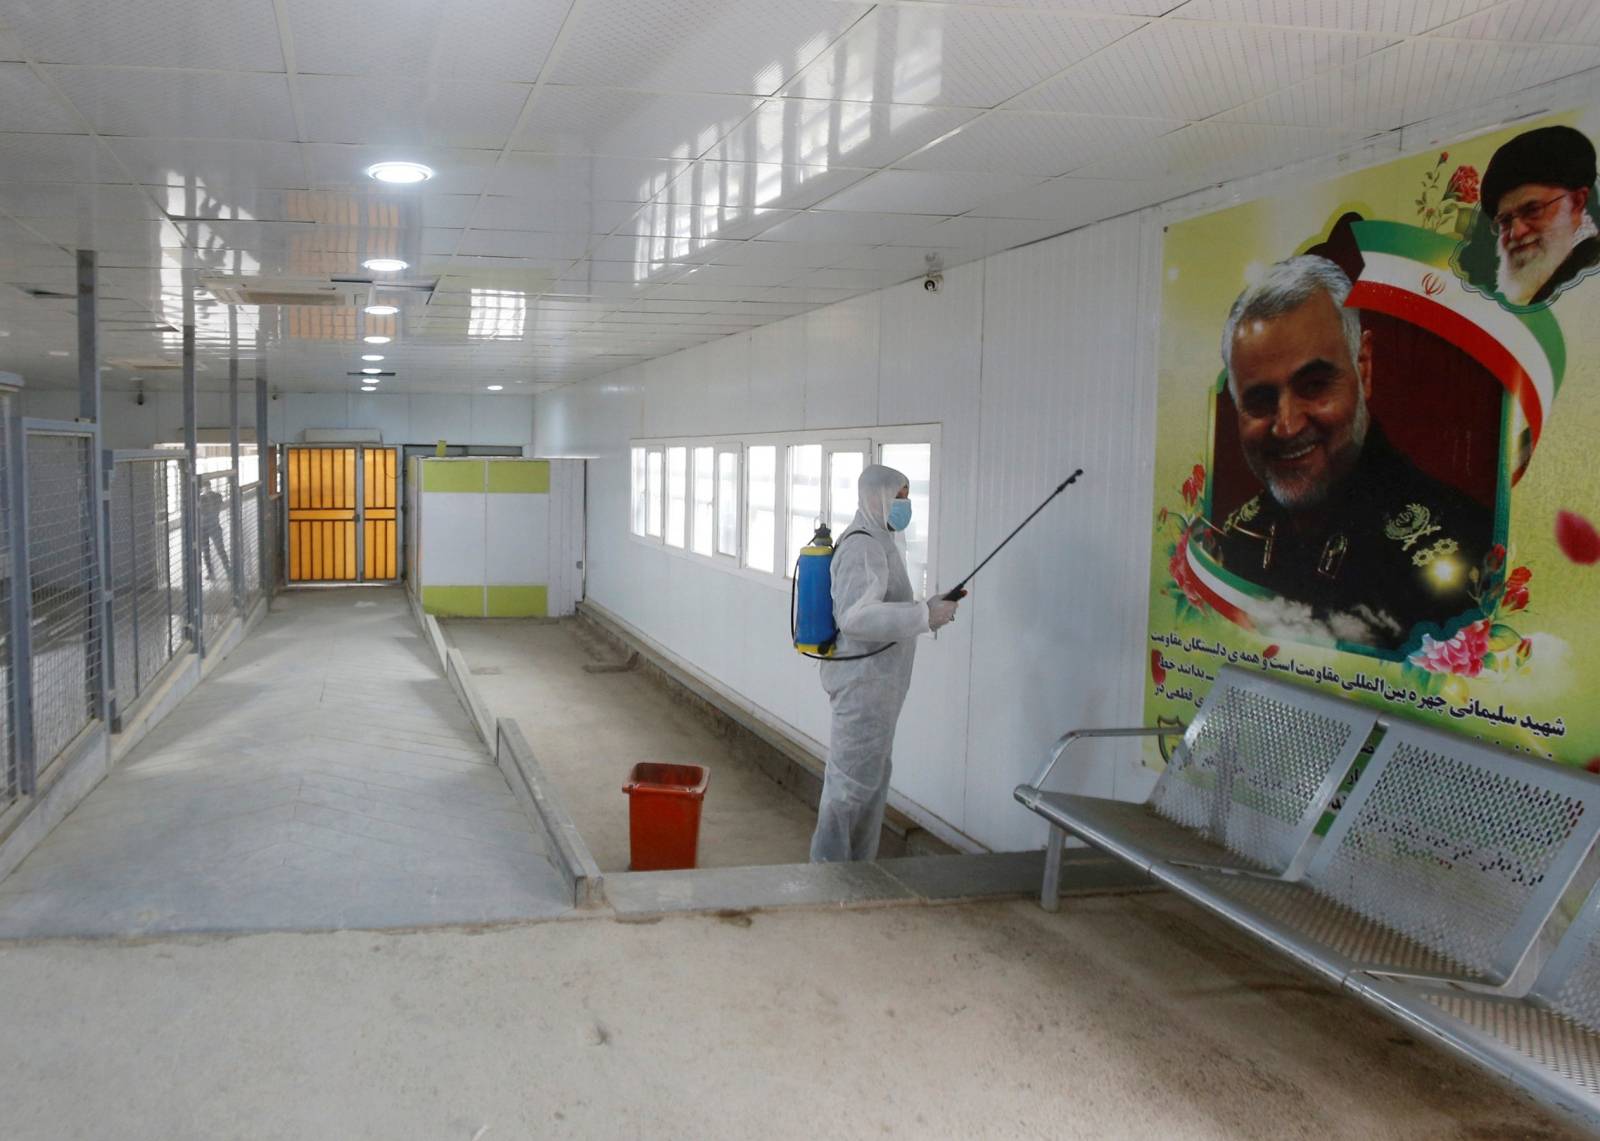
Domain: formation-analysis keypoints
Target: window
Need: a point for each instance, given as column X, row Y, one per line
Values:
column 728, row 503
column 641, row 492
column 652, row 519
column 751, row 506
column 916, row 461
column 677, row 495
column 761, row 495
column 805, row 498
column 705, row 484
column 844, row 478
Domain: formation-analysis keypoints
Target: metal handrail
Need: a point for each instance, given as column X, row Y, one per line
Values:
column 1068, row 739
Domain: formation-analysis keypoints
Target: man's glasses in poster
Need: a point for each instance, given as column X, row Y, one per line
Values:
column 1529, row 214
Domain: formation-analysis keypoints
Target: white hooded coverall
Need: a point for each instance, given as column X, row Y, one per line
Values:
column 872, row 605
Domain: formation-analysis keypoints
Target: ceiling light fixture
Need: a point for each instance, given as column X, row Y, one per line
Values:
column 495, row 387
column 399, row 172
column 372, row 356
column 377, row 340
column 369, row 388
column 59, row 353
column 385, row 265
column 381, row 310
column 372, row 371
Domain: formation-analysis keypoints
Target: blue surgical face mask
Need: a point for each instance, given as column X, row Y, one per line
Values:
column 899, row 514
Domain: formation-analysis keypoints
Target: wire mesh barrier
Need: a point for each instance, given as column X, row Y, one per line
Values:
column 62, row 572
column 8, row 742
column 150, row 604
column 250, row 532
column 213, row 515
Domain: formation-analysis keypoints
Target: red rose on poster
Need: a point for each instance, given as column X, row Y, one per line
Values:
column 1496, row 557
column 1158, row 674
column 1577, row 538
column 1593, row 764
column 1463, row 185
column 1270, row 652
column 1178, row 567
column 1462, row 654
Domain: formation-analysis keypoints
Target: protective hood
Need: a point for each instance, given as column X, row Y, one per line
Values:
column 878, row 487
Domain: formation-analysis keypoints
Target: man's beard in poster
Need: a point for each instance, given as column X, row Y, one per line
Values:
column 1300, row 493
column 1524, row 270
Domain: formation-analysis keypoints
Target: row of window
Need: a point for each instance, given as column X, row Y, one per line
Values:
column 756, row 503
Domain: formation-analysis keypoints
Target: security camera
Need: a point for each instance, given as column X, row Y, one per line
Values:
column 932, row 282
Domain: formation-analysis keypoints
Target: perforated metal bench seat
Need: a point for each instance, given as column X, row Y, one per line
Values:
column 1136, row 833
column 1246, row 787
column 1434, row 894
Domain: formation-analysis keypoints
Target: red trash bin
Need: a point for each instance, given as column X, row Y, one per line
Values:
column 664, row 815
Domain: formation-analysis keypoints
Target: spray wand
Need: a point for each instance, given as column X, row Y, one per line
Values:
column 959, row 592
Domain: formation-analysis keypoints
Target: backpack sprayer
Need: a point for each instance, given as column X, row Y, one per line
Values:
column 811, row 624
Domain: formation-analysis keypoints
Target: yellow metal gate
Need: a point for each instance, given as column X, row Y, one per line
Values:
column 343, row 522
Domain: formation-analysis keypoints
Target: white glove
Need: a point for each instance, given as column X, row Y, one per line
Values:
column 940, row 613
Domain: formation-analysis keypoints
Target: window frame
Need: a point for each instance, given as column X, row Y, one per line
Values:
column 867, row 441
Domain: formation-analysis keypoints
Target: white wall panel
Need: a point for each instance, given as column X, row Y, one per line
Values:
column 778, row 376
column 518, row 531
column 1059, row 619
column 842, row 363
column 441, row 418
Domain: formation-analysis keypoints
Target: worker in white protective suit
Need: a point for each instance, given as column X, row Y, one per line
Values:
column 874, row 607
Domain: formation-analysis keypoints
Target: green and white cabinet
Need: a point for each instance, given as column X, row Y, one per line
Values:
column 496, row 538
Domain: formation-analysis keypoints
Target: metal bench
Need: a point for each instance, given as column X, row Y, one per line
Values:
column 1433, row 895
column 1255, row 773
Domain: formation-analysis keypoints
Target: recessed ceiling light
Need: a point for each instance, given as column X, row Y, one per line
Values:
column 369, row 388
column 59, row 353
column 381, row 310
column 372, row 371
column 399, row 172
column 495, row 387
column 377, row 340
column 372, row 356
column 385, row 265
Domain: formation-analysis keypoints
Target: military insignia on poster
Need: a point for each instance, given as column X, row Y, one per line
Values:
column 1243, row 514
column 1410, row 526
column 1439, row 550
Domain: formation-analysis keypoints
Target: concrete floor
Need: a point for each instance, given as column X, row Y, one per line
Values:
column 1121, row 1017
column 588, row 730
column 324, row 776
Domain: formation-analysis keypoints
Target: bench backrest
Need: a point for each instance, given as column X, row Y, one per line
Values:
column 1259, row 765
column 1463, row 847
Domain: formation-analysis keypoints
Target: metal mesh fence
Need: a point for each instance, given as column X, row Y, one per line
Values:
column 250, row 532
column 215, row 516
column 8, row 743
column 61, row 572
column 150, row 601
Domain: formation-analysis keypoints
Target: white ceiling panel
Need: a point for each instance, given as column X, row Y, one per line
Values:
column 10, row 46
column 1415, row 80
column 967, row 57
column 744, row 186
column 593, row 216
column 1214, row 151
column 983, row 234
column 1532, row 21
column 925, row 192
column 581, row 120
column 908, row 261
column 223, row 33
column 549, row 177
column 458, row 171
column 753, row 276
column 215, row 164
column 444, row 113
column 1182, row 70
column 856, row 280
column 805, row 255
column 75, row 200
column 463, row 39
column 1386, row 17
column 749, row 47
column 862, row 228
column 1073, row 201
column 817, row 132
column 27, row 104
column 525, row 244
column 54, row 158
column 1018, row 142
column 179, row 104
